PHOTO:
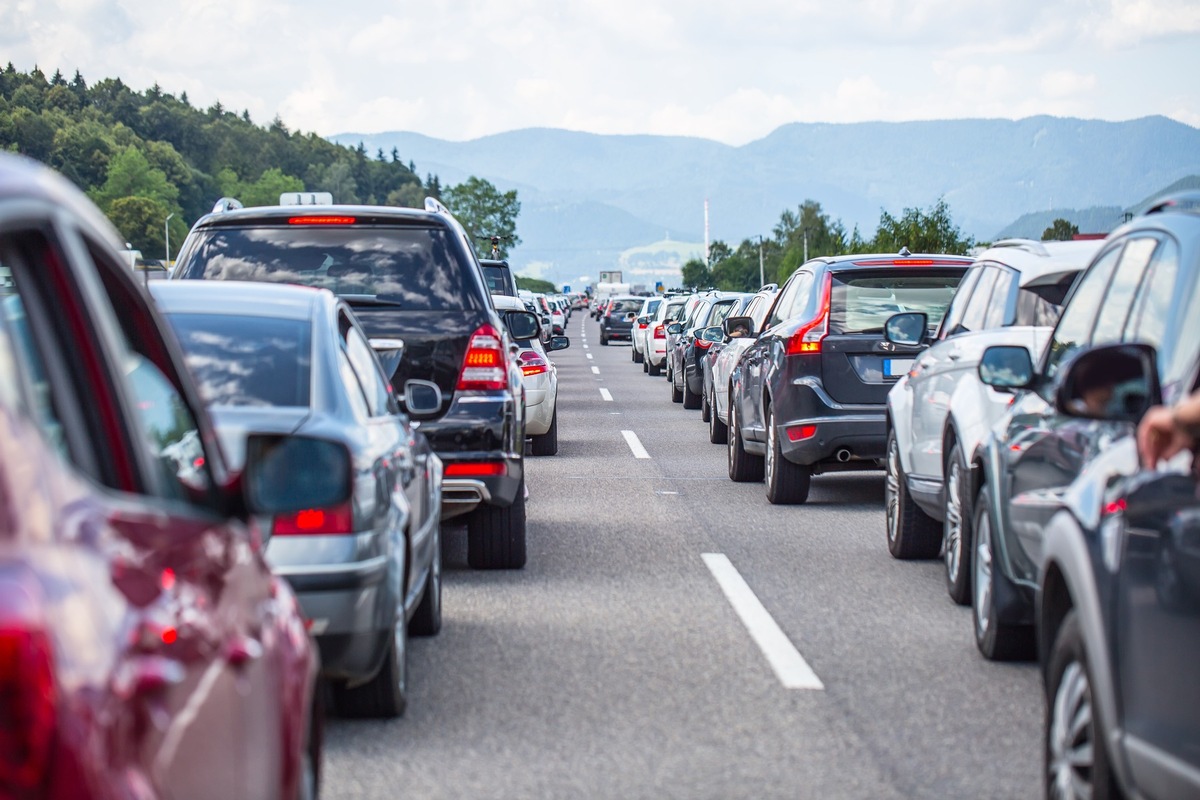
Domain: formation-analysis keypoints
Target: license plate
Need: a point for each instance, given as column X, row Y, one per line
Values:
column 895, row 367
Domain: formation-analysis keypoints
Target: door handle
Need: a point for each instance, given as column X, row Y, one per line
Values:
column 954, row 356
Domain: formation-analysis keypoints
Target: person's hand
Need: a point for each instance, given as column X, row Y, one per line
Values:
column 1159, row 437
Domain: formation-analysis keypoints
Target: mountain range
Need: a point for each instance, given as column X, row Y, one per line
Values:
column 587, row 198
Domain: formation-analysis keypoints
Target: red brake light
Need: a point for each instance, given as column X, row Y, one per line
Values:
column 27, row 710
column 484, row 365
column 911, row 262
column 660, row 332
column 475, row 469
column 703, row 344
column 1115, row 507
column 532, row 363
column 807, row 338
column 642, row 325
column 325, row 220
column 315, row 521
column 799, row 433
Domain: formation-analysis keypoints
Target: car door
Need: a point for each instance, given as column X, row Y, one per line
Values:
column 756, row 362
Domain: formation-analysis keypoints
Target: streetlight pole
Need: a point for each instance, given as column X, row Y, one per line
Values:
column 167, row 236
column 806, row 245
column 762, row 278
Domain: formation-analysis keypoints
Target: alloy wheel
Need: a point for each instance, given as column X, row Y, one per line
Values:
column 770, row 460
column 891, row 490
column 1072, row 736
column 983, row 575
column 954, row 524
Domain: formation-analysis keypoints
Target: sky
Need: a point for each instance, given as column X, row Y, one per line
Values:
column 728, row 71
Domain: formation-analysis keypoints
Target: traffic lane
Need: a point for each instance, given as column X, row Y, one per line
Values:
column 908, row 674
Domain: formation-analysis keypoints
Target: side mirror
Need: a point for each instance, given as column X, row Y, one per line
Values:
column 422, row 397
column 643, row 320
column 558, row 343
column 286, row 474
column 675, row 328
column 906, row 329
column 1116, row 382
column 737, row 327
column 713, row 333
column 521, row 324
column 1006, row 367
column 390, row 352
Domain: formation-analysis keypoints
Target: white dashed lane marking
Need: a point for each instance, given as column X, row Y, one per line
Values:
column 604, row 393
column 635, row 444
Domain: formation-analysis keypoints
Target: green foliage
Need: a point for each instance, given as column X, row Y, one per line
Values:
column 929, row 231
column 536, row 285
column 485, row 212
column 131, row 175
column 140, row 221
column 1060, row 231
column 696, row 274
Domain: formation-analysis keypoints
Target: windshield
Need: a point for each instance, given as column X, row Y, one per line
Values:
column 415, row 268
column 862, row 303
column 499, row 281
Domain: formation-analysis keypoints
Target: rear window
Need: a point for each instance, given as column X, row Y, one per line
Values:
column 625, row 306
column 413, row 268
column 246, row 361
column 499, row 281
column 862, row 303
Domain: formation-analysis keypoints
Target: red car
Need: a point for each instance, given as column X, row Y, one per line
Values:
column 146, row 650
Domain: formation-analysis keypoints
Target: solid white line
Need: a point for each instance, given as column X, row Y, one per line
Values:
column 605, row 394
column 595, row 370
column 790, row 667
column 635, row 444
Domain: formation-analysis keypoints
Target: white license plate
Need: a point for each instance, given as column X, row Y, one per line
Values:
column 895, row 367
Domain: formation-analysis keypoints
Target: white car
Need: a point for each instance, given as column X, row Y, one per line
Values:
column 940, row 411
column 656, row 335
column 716, row 376
column 540, row 379
column 641, row 326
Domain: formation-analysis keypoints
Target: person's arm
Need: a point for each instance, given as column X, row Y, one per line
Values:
column 1163, row 431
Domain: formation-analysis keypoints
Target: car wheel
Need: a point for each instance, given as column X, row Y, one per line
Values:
column 787, row 483
column 743, row 467
column 911, row 533
column 654, row 370
column 496, row 536
column 676, row 392
column 603, row 339
column 427, row 619
column 1076, row 753
column 705, row 408
column 690, row 399
column 633, row 354
column 645, row 365
column 997, row 641
column 956, row 530
column 386, row 694
column 546, row 444
column 309, row 784
column 718, row 432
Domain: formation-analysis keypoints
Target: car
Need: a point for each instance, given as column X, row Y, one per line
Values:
column 273, row 359
column 808, row 395
column 687, row 379
column 146, row 648
column 499, row 277
column 641, row 328
column 719, row 365
column 616, row 322
column 656, row 338
column 409, row 274
column 938, row 412
column 539, row 377
column 1139, row 289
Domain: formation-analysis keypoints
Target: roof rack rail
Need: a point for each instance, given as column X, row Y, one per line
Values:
column 1028, row 245
column 227, row 204
column 434, row 205
column 1180, row 201
column 768, row 287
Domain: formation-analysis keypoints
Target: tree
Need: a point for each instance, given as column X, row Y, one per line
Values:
column 1060, row 231
column 130, row 175
column 696, row 274
column 536, row 285
column 485, row 211
column 140, row 220
column 931, row 231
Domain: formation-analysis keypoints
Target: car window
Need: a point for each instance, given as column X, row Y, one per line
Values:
column 498, row 280
column 354, row 390
column 623, row 307
column 1002, row 299
column 1040, row 302
column 975, row 314
column 651, row 307
column 366, row 368
column 1152, row 309
column 1074, row 329
column 721, row 311
column 697, row 313
column 797, row 287
column 1118, row 301
column 958, row 304
column 860, row 303
column 247, row 360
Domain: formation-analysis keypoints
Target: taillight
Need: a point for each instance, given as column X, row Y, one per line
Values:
column 703, row 344
column 532, row 363
column 807, row 338
column 660, row 332
column 643, row 325
column 475, row 469
column 315, row 521
column 322, row 220
column 27, row 710
column 484, row 365
column 798, row 433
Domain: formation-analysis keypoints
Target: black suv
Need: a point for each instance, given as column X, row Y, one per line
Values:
column 617, row 320
column 412, row 275
column 687, row 378
column 808, row 396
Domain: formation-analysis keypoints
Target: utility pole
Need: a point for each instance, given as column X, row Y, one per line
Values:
column 806, row 245
column 762, row 278
column 706, row 232
column 167, row 236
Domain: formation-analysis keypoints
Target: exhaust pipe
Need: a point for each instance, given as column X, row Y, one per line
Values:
column 843, row 455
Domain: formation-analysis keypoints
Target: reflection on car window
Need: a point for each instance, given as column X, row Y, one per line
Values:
column 363, row 362
column 19, row 347
column 862, row 304
column 1148, row 322
column 720, row 312
column 247, row 361
column 170, row 429
column 1119, row 300
column 416, row 268
column 1075, row 326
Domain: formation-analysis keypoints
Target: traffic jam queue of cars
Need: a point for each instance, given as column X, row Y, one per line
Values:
column 1035, row 411
column 222, row 494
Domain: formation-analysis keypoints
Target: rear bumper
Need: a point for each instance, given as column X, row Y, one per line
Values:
column 845, row 437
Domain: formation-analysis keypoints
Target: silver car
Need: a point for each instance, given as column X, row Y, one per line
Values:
column 271, row 358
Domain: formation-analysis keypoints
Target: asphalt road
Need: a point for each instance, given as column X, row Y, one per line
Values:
column 615, row 666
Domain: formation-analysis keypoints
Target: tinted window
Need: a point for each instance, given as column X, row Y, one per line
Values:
column 651, row 307
column 417, row 268
column 247, row 361
column 862, row 303
column 981, row 298
column 365, row 365
column 958, row 305
column 721, row 311
column 1002, row 296
column 623, row 307
column 793, row 296
column 1118, row 302
column 1152, row 311
column 1075, row 326
column 1039, row 303
column 499, row 281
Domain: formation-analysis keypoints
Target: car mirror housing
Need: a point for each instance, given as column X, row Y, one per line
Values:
column 1116, row 382
column 422, row 397
column 675, row 328
column 558, row 343
column 521, row 324
column 906, row 329
column 713, row 333
column 1006, row 367
column 736, row 327
column 286, row 474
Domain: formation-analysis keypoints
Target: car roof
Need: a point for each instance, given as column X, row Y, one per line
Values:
column 877, row 260
column 239, row 298
column 1035, row 260
column 363, row 215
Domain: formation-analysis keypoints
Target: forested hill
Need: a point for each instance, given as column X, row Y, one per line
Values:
column 143, row 156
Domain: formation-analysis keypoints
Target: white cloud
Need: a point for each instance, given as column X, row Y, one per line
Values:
column 1066, row 83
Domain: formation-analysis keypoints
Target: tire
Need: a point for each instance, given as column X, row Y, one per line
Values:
column 718, row 432
column 427, row 619
column 996, row 641
column 385, row 695
column 633, row 354
column 787, row 483
column 603, row 339
column 705, row 408
column 743, row 467
column 546, row 444
column 496, row 536
column 645, row 365
column 309, row 786
column 676, row 393
column 690, row 399
column 911, row 533
column 1076, row 755
column 654, row 370
column 956, row 529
